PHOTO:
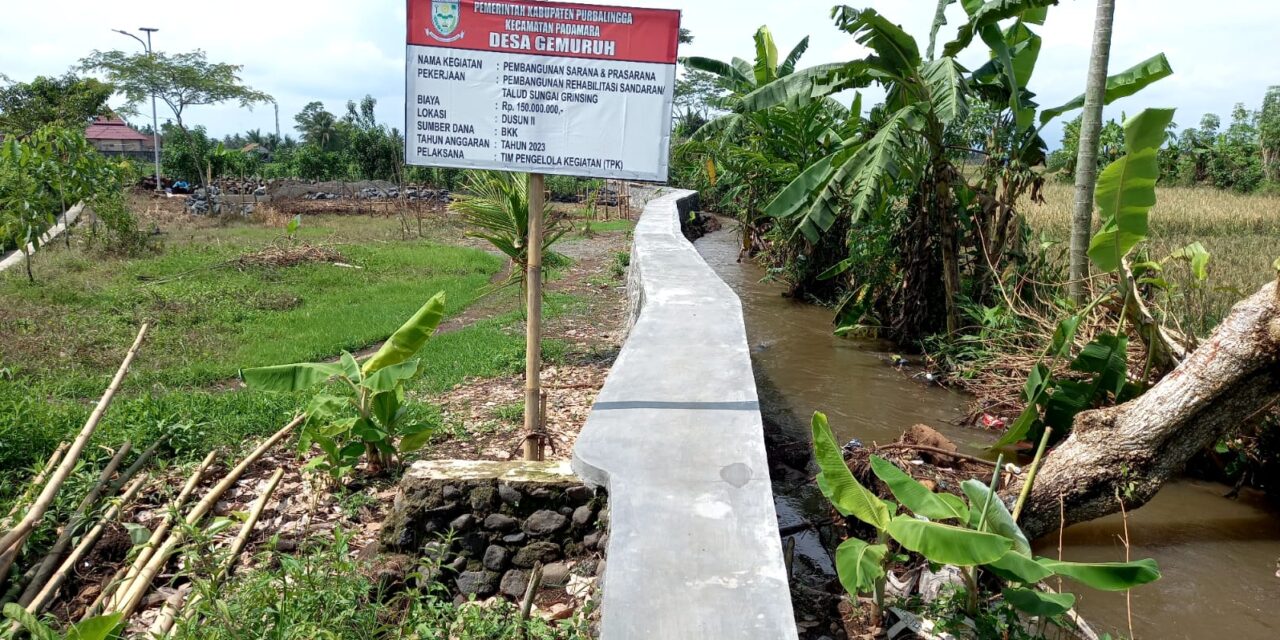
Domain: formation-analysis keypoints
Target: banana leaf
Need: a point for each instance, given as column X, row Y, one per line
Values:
column 838, row 484
column 1127, row 190
column 410, row 338
column 1120, row 85
column 1110, row 576
column 1038, row 603
column 914, row 496
column 860, row 565
column 997, row 519
column 290, row 377
column 946, row 544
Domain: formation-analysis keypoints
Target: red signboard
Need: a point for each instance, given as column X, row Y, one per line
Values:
column 561, row 29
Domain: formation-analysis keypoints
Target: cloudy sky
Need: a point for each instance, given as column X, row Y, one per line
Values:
column 333, row 51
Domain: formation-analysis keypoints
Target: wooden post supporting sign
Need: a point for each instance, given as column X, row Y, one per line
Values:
column 533, row 330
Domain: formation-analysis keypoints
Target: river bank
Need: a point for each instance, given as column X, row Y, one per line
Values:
column 1197, row 537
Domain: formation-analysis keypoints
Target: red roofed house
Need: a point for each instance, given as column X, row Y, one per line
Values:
column 112, row 136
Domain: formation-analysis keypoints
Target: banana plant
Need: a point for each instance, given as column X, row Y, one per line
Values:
column 924, row 94
column 368, row 417
column 1125, row 195
column 977, row 535
column 100, row 628
column 907, row 163
column 752, row 82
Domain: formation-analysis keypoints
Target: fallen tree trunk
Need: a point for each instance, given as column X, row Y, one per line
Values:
column 1129, row 451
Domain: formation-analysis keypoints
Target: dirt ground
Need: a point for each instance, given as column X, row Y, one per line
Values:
column 595, row 330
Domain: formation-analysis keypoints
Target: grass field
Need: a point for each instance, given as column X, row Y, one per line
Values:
column 1241, row 232
column 212, row 314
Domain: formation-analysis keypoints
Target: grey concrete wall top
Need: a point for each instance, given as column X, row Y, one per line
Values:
column 676, row 436
column 16, row 257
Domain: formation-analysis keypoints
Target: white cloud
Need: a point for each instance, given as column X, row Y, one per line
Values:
column 333, row 51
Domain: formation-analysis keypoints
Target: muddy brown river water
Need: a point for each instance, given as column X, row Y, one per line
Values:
column 1219, row 557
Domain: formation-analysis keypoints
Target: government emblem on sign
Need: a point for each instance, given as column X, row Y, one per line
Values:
column 445, row 16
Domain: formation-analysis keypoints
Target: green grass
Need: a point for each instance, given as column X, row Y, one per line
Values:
column 609, row 225
column 488, row 348
column 66, row 335
column 324, row 593
column 513, row 412
column 210, row 319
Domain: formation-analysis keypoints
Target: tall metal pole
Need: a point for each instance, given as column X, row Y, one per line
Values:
column 155, row 121
column 533, row 327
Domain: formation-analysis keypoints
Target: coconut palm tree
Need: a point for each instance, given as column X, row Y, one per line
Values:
column 496, row 206
column 1087, row 162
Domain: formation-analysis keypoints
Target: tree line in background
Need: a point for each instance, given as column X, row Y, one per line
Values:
column 352, row 147
column 1244, row 156
column 46, row 163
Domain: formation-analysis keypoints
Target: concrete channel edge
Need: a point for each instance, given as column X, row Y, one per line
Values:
column 677, row 438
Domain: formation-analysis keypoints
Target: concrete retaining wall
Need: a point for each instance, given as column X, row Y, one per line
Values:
column 17, row 257
column 676, row 437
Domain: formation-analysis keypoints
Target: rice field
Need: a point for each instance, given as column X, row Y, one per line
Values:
column 1242, row 232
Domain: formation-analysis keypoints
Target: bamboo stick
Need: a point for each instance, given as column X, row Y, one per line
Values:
column 46, row 595
column 36, row 482
column 77, row 519
column 1031, row 473
column 168, row 617
column 163, row 625
column 526, row 604
column 533, row 319
column 38, row 508
column 16, row 589
column 237, row 547
column 162, row 531
column 108, row 590
column 138, row 464
column 128, row 604
column 8, row 558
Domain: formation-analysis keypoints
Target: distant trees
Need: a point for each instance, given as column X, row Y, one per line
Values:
column 68, row 101
column 698, row 96
column 354, row 146
column 1110, row 148
column 1243, row 157
column 180, row 80
column 1269, row 134
column 319, row 127
column 375, row 150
